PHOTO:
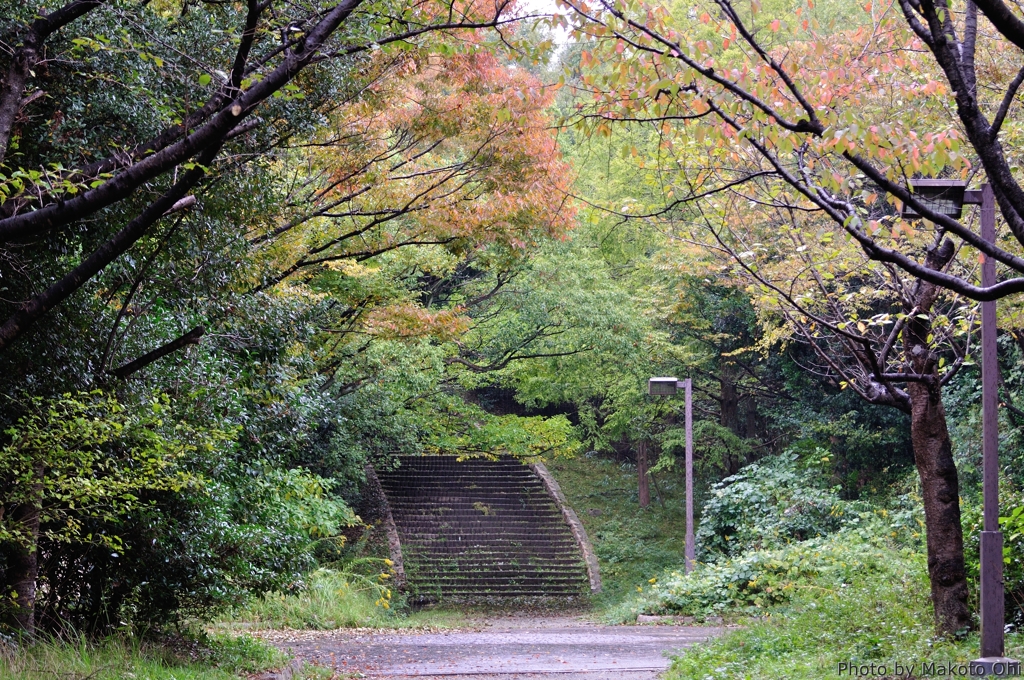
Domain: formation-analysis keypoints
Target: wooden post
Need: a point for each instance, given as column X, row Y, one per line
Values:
column 641, row 469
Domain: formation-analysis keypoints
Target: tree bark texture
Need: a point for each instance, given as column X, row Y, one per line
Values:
column 644, row 487
column 23, row 561
column 933, row 455
column 941, row 494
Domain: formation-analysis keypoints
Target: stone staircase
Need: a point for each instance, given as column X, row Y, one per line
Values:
column 481, row 528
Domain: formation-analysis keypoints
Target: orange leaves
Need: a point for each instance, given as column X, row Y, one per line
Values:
column 442, row 161
column 406, row 321
column 466, row 140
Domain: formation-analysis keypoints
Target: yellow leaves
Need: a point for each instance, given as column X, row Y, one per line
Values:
column 350, row 267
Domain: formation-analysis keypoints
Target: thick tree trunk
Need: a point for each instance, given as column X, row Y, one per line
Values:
column 23, row 570
column 941, row 493
column 933, row 454
column 643, row 480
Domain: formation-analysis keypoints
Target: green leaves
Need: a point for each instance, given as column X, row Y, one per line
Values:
column 84, row 455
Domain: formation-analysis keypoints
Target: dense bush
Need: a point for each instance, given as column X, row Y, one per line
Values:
column 145, row 519
column 767, row 504
column 191, row 555
column 761, row 579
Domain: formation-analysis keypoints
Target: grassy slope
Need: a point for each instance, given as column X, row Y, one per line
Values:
column 881, row 618
column 632, row 544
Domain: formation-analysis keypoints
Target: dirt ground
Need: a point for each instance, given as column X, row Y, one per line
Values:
column 507, row 647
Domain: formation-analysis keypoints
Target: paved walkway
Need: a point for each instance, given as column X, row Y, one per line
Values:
column 508, row 648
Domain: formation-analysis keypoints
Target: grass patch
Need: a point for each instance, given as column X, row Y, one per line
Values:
column 213, row 658
column 327, row 599
column 330, row 599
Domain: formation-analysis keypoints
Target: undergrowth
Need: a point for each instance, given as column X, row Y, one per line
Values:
column 333, row 598
column 880, row 615
column 631, row 543
column 755, row 582
column 210, row 658
column 327, row 598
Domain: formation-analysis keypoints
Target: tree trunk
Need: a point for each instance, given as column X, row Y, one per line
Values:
column 23, row 570
column 941, row 493
column 730, row 413
column 641, row 469
column 933, row 454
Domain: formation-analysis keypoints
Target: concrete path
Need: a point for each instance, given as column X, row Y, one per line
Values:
column 507, row 648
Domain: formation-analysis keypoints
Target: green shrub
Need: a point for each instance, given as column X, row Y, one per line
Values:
column 1011, row 503
column 880, row 616
column 767, row 504
column 761, row 579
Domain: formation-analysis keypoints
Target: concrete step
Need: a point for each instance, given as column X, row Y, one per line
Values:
column 490, row 525
column 481, row 529
column 510, row 548
column 437, row 576
column 446, row 511
column 494, row 560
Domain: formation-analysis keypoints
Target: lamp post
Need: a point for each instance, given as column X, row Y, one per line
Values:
column 667, row 387
column 948, row 197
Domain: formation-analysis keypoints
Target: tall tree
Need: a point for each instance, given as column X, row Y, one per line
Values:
column 772, row 122
column 892, row 339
